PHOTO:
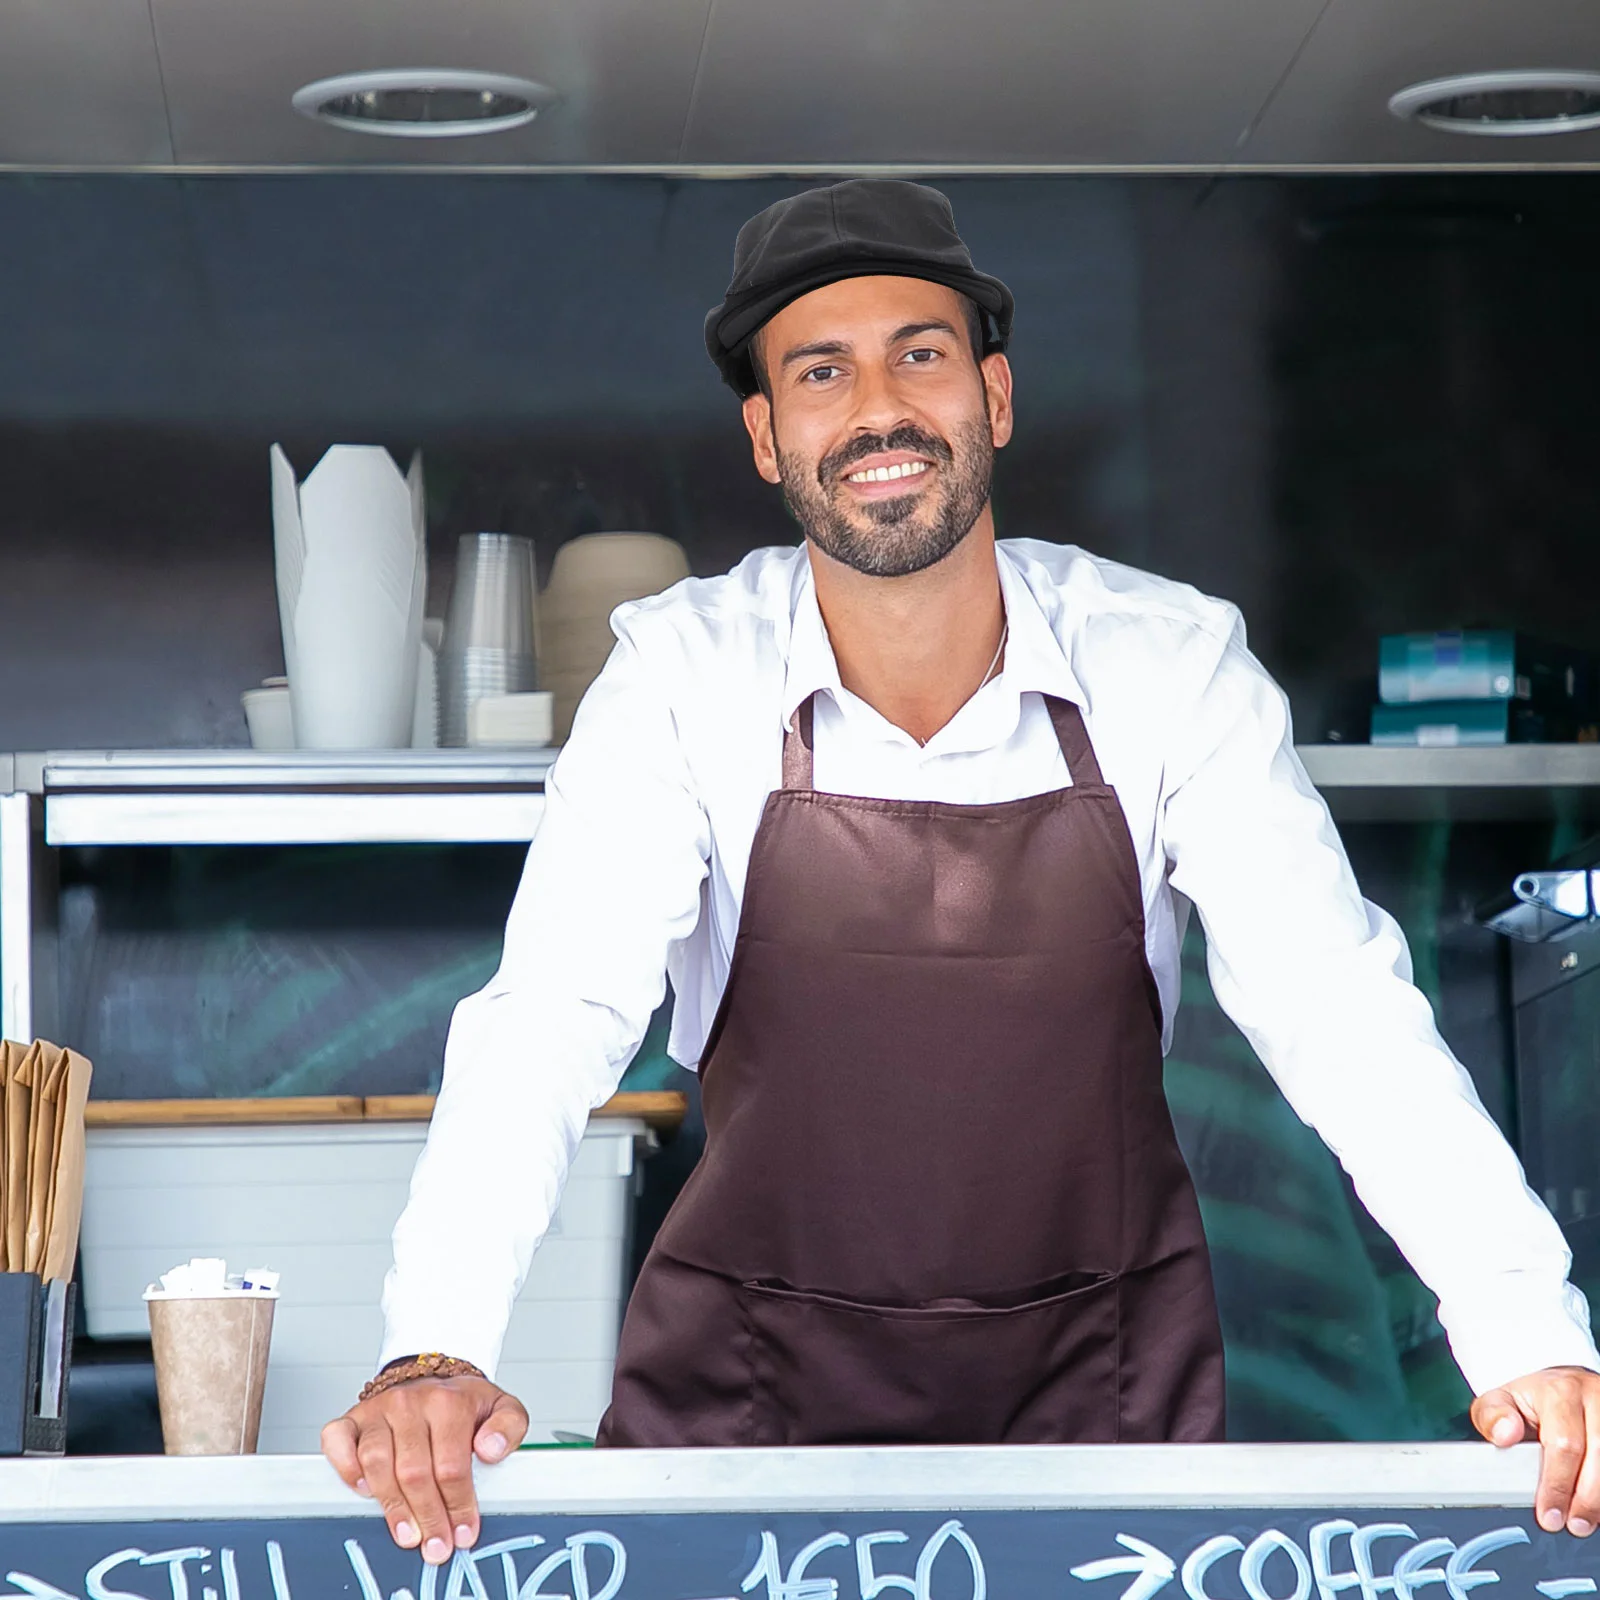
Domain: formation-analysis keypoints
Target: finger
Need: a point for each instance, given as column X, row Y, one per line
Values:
column 1498, row 1418
column 502, row 1430
column 450, row 1427
column 375, row 1452
column 1562, row 1430
column 1583, row 1515
column 413, row 1468
column 339, row 1446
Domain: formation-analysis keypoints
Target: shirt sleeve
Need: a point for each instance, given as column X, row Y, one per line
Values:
column 1319, row 982
column 612, row 879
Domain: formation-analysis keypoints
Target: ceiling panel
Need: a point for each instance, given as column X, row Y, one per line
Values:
column 1334, row 105
column 623, row 67
column 80, row 85
column 1017, row 82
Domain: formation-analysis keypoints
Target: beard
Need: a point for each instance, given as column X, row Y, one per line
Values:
column 896, row 537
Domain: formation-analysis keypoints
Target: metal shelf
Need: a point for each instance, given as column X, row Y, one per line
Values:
column 221, row 797
column 229, row 797
column 1495, row 783
column 249, row 797
column 77, row 770
column 153, row 817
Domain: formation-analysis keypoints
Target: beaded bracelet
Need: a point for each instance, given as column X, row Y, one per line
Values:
column 431, row 1364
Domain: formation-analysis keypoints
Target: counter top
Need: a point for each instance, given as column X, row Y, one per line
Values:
column 591, row 1482
column 1279, row 1522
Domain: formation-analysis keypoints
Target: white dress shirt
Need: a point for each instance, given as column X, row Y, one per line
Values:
column 638, row 870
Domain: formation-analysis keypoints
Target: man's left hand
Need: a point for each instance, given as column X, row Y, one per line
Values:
column 1560, row 1407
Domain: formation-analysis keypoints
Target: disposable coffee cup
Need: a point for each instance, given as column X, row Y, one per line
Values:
column 211, row 1369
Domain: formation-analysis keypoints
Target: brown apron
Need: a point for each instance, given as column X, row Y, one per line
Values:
column 941, row 1201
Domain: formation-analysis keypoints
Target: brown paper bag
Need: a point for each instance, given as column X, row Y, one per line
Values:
column 41, row 1153
column 19, row 1115
column 66, row 1205
column 56, row 1092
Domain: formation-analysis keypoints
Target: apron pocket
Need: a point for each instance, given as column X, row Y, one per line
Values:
column 1037, row 1368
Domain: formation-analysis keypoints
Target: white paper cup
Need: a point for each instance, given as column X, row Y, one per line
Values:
column 269, row 717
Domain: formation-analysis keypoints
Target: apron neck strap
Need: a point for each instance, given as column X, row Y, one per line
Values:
column 798, row 766
column 1082, row 764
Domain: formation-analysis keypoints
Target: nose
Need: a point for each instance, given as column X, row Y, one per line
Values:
column 879, row 407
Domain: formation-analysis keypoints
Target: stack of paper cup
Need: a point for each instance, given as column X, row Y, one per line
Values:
column 210, row 1335
column 591, row 577
column 489, row 638
column 352, row 579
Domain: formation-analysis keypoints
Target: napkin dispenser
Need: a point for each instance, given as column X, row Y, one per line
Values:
column 36, row 1321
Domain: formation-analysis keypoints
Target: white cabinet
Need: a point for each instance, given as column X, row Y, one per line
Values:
column 317, row 1203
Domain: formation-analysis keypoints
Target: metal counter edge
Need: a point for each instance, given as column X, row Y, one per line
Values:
column 618, row 1482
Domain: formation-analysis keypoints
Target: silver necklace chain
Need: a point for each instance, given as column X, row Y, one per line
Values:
column 999, row 650
column 994, row 666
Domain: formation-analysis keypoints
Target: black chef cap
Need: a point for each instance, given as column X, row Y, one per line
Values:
column 863, row 227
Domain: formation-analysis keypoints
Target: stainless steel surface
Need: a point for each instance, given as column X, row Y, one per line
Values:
column 80, row 85
column 624, row 70
column 825, row 87
column 1013, row 81
column 68, row 771
column 29, row 972
column 1373, row 783
column 16, row 916
column 565, row 1483
column 147, row 817
column 1334, row 103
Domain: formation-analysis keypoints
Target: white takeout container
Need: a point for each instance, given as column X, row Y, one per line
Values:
column 352, row 579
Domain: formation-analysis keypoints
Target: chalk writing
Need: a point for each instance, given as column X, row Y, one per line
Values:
column 1152, row 1569
column 1040, row 1555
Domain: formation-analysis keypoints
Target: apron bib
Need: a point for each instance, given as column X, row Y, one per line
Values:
column 941, row 1200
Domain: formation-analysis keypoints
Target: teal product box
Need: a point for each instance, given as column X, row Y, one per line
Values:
column 1481, row 664
column 1465, row 722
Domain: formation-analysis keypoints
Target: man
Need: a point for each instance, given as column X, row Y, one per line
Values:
column 903, row 814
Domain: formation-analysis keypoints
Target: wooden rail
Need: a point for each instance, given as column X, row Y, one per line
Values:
column 664, row 1110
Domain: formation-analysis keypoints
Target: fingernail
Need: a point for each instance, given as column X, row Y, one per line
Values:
column 1506, row 1431
column 493, row 1447
column 363, row 1487
column 405, row 1534
column 1551, row 1520
column 435, row 1551
column 1580, row 1526
column 463, row 1537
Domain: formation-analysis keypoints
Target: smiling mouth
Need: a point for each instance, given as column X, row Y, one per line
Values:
column 905, row 469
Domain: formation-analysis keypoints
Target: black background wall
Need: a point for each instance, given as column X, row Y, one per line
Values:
column 1352, row 405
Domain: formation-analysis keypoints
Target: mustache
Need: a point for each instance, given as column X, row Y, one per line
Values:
column 908, row 438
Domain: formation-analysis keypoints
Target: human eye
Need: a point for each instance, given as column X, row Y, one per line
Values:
column 819, row 374
column 923, row 355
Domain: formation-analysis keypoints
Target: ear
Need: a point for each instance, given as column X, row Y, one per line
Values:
column 758, row 424
column 996, row 373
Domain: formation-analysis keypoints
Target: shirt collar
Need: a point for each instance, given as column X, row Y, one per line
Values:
column 1035, row 659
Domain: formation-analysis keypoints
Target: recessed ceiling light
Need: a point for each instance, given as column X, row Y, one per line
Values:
column 422, row 103
column 1504, row 104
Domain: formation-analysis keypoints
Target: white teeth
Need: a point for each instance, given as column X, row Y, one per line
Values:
column 908, row 469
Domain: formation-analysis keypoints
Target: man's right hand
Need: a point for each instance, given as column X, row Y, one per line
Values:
column 410, row 1448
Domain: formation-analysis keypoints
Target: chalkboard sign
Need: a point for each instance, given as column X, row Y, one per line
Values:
column 1395, row 1554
